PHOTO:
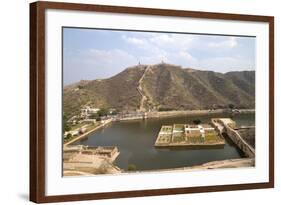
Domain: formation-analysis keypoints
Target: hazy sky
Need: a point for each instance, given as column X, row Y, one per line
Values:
column 90, row 54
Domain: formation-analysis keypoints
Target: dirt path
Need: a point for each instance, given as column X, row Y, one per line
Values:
column 141, row 91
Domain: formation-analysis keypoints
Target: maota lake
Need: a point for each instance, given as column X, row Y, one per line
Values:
column 135, row 141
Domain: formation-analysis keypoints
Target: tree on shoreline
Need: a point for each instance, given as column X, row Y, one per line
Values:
column 197, row 121
column 66, row 127
column 132, row 167
column 231, row 106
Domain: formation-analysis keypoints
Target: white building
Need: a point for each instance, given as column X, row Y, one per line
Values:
column 88, row 111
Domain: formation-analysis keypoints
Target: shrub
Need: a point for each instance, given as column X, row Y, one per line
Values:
column 196, row 121
column 231, row 106
column 132, row 167
column 103, row 112
column 164, row 109
column 65, row 124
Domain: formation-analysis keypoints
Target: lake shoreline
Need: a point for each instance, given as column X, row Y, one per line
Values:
column 216, row 164
column 88, row 133
column 163, row 114
column 203, row 112
column 188, row 113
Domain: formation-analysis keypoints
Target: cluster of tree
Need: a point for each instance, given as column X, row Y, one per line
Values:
column 196, row 121
column 231, row 106
column 66, row 126
column 161, row 109
column 80, row 86
column 68, row 136
column 101, row 113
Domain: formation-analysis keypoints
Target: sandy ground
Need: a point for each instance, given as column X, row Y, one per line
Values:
column 230, row 163
column 223, row 164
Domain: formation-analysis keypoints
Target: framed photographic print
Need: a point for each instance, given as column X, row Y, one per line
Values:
column 128, row 102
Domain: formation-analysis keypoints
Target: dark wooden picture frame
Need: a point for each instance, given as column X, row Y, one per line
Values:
column 37, row 100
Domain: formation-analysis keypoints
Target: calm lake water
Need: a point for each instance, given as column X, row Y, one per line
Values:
column 135, row 141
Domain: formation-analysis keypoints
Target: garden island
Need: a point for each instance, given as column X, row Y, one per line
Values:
column 188, row 135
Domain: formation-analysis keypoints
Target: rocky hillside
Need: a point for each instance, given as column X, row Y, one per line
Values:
column 163, row 87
